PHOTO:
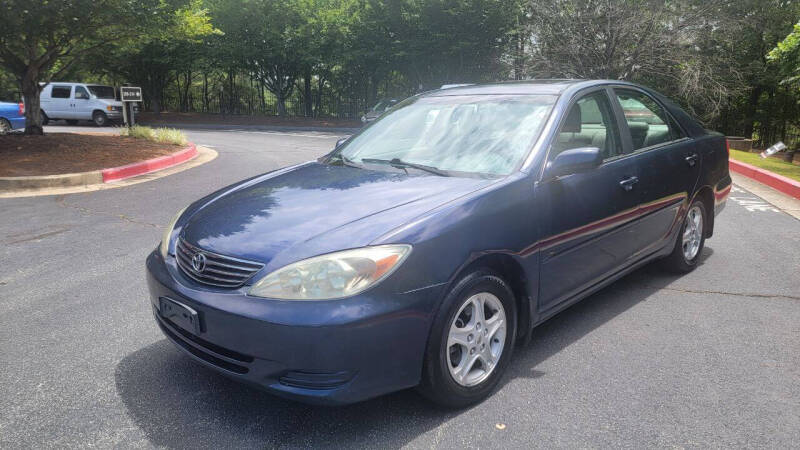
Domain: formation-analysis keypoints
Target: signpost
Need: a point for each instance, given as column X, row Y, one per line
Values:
column 128, row 95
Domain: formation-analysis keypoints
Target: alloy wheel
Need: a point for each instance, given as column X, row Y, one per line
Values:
column 692, row 233
column 476, row 339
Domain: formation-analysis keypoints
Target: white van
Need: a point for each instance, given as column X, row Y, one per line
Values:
column 78, row 101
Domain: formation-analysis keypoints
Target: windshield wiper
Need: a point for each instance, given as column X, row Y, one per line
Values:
column 347, row 161
column 400, row 164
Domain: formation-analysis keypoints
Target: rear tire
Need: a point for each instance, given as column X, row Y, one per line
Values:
column 100, row 118
column 471, row 341
column 690, row 241
column 45, row 120
column 72, row 122
column 5, row 126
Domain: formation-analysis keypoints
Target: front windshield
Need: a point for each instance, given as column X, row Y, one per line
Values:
column 478, row 134
column 106, row 92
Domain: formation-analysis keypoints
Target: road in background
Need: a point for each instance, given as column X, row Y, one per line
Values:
column 654, row 360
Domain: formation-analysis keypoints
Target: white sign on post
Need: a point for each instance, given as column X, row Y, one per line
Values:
column 129, row 94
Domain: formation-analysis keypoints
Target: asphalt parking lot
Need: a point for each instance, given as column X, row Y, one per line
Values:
column 710, row 359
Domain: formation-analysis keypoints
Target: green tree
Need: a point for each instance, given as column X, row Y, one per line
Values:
column 41, row 40
column 173, row 47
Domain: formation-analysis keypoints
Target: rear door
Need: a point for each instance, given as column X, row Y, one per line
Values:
column 587, row 218
column 60, row 100
column 668, row 163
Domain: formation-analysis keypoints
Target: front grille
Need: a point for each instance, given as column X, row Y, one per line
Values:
column 216, row 270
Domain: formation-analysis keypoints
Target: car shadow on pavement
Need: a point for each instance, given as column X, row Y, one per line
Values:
column 175, row 401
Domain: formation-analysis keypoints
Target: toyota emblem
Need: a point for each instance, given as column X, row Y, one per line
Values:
column 199, row 262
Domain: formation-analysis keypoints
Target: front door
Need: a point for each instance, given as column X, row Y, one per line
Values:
column 81, row 105
column 587, row 218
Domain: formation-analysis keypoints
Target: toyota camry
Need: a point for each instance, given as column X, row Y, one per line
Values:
column 422, row 249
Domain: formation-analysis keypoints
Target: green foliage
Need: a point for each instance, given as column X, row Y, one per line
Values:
column 162, row 135
column 338, row 57
column 787, row 56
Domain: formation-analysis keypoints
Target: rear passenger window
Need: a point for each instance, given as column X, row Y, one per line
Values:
column 61, row 91
column 589, row 123
column 647, row 121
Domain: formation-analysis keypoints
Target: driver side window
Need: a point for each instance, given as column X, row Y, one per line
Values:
column 81, row 93
column 589, row 123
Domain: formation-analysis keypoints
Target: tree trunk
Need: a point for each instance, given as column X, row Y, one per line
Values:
column 30, row 95
column 307, row 93
column 205, row 92
column 750, row 112
column 155, row 104
column 281, row 103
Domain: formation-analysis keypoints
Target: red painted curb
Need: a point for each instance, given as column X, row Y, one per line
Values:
column 150, row 165
column 779, row 182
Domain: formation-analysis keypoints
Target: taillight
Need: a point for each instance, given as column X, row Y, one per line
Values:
column 728, row 147
column 21, row 109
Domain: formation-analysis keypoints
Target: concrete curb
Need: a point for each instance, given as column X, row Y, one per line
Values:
column 778, row 182
column 150, row 165
column 97, row 176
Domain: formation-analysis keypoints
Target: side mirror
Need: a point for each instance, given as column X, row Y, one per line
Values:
column 575, row 160
column 340, row 142
column 81, row 97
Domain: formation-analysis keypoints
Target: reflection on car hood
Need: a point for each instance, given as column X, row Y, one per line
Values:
column 295, row 209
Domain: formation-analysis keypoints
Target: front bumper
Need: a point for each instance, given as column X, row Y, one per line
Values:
column 327, row 352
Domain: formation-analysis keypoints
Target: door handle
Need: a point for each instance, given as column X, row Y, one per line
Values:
column 691, row 159
column 628, row 183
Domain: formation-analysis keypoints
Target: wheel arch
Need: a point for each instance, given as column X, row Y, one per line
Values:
column 706, row 195
column 512, row 272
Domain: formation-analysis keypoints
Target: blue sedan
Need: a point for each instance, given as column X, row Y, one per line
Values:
column 12, row 116
column 422, row 249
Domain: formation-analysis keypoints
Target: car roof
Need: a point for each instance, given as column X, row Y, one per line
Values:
column 526, row 87
column 74, row 83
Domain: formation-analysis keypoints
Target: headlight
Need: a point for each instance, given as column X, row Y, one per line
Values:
column 332, row 276
column 168, row 233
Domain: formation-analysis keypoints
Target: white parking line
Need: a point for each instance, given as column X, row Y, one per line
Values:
column 752, row 204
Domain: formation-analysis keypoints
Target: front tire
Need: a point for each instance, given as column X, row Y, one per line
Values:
column 44, row 119
column 690, row 242
column 471, row 341
column 100, row 118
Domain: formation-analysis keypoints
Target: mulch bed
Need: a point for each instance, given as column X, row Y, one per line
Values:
column 149, row 118
column 58, row 153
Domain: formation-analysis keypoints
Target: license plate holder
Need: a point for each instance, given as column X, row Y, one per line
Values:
column 181, row 315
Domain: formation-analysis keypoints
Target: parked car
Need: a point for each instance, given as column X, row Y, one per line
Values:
column 12, row 116
column 421, row 249
column 78, row 101
column 376, row 111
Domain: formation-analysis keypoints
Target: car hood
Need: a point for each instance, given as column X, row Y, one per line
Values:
column 314, row 209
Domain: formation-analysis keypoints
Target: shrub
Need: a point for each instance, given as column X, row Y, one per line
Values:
column 162, row 135
column 170, row 136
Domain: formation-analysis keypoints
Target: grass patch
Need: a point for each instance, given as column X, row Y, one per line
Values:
column 774, row 165
column 161, row 135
